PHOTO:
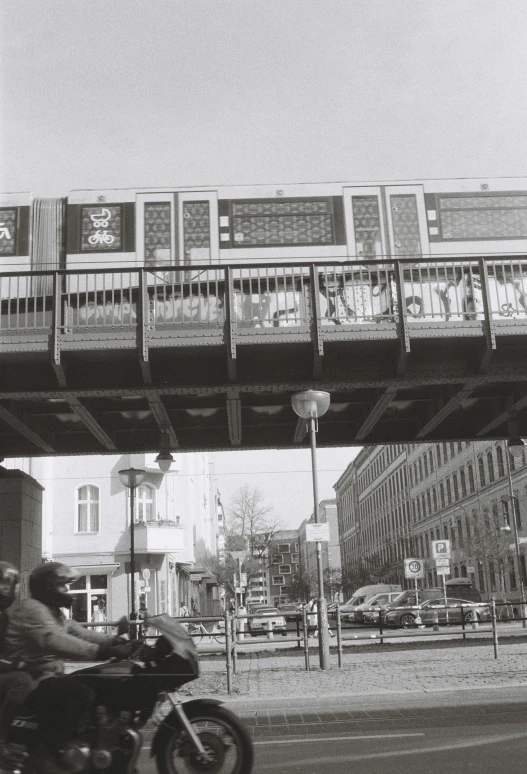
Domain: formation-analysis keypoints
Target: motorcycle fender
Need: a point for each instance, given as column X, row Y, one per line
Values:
column 172, row 721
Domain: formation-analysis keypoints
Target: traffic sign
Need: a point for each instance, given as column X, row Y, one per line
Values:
column 470, row 570
column 440, row 548
column 414, row 568
column 146, row 574
column 442, row 561
column 443, row 570
column 146, row 589
column 316, row 532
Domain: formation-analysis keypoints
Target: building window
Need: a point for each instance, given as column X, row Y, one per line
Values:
column 442, row 494
column 501, row 466
column 512, row 573
column 490, row 465
column 434, row 498
column 481, row 467
column 144, row 502
column 278, row 580
column 278, row 558
column 456, row 488
column 425, row 465
column 448, row 492
column 439, row 461
column 88, row 508
column 420, row 469
column 294, row 558
column 463, row 483
column 431, row 460
column 460, row 534
column 283, row 548
column 89, row 594
column 471, row 482
column 481, row 576
column 285, row 569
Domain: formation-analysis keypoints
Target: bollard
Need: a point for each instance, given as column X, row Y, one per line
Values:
column 306, row 641
column 339, row 636
column 418, row 621
column 270, row 635
column 229, row 652
column 475, row 621
column 234, row 646
column 298, row 630
column 435, row 621
column 494, row 629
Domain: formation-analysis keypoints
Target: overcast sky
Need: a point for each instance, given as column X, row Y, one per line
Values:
column 123, row 93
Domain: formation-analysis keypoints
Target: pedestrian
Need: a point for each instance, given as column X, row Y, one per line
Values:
column 183, row 611
column 312, row 618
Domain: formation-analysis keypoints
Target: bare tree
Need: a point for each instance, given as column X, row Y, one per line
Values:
column 487, row 544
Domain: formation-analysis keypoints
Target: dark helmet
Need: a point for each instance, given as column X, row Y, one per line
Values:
column 49, row 584
column 9, row 576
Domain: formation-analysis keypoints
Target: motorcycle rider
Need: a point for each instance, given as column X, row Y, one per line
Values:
column 14, row 684
column 38, row 636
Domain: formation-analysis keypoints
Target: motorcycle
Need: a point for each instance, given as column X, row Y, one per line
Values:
column 197, row 735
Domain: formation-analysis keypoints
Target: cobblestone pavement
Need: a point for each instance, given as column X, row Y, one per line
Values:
column 434, row 669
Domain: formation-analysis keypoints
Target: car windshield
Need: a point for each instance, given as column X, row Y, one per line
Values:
column 378, row 598
column 268, row 611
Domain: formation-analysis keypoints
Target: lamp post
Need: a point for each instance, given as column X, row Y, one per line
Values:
column 131, row 479
column 515, row 447
column 311, row 405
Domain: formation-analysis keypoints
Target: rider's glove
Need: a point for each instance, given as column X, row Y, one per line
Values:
column 108, row 650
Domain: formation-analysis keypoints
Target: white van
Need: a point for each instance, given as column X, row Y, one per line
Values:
column 364, row 594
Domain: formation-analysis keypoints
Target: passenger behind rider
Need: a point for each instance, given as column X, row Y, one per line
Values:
column 14, row 684
column 38, row 636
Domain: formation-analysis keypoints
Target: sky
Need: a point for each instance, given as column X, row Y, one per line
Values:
column 139, row 93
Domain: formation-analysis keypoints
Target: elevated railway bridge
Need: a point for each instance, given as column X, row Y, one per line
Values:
column 104, row 360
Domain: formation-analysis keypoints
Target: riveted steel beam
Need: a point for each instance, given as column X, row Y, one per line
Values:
column 54, row 339
column 503, row 417
column 10, row 419
column 143, row 329
column 316, row 324
column 447, row 409
column 489, row 329
column 234, row 417
column 376, row 413
column 161, row 415
column 404, row 333
column 91, row 423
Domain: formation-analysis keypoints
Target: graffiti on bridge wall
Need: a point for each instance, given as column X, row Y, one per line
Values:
column 341, row 302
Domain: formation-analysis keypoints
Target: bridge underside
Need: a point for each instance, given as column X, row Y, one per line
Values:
column 70, row 388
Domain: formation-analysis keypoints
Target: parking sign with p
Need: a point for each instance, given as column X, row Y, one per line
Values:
column 440, row 548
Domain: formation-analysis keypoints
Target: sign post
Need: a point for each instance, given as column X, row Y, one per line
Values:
column 414, row 568
column 441, row 553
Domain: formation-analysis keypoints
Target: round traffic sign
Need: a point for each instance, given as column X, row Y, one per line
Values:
column 414, row 566
column 146, row 573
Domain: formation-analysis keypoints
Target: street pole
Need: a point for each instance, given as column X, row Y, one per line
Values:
column 512, row 498
column 132, row 553
column 322, row 610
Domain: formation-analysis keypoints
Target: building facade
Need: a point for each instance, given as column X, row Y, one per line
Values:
column 178, row 522
column 393, row 501
column 331, row 554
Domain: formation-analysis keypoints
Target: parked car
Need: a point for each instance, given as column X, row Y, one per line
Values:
column 332, row 610
column 260, row 622
column 455, row 611
column 364, row 594
column 289, row 611
column 368, row 612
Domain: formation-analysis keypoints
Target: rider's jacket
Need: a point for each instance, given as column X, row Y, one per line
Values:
column 6, row 664
column 38, row 636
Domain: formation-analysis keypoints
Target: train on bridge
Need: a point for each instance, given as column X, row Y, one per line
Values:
column 175, row 290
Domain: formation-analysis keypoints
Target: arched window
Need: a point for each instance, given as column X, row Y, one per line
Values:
column 439, row 461
column 501, row 466
column 448, row 491
column 456, row 488
column 463, row 483
column 442, row 494
column 88, row 508
column 490, row 465
column 434, row 498
column 425, row 465
column 481, row 467
column 144, row 504
column 471, row 481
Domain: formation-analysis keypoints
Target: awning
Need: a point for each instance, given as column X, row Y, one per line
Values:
column 94, row 569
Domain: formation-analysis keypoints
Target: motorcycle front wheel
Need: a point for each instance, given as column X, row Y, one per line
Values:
column 222, row 735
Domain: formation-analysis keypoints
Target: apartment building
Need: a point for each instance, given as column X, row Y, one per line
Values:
column 392, row 501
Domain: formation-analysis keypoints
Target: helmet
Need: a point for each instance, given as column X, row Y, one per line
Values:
column 8, row 579
column 49, row 584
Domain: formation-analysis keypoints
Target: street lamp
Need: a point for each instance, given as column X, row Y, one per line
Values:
column 311, row 405
column 131, row 479
column 164, row 459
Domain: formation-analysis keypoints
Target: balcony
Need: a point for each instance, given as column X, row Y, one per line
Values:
column 159, row 537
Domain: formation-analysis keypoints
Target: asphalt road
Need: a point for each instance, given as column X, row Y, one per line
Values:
column 441, row 739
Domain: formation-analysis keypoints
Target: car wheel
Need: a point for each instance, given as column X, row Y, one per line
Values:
column 407, row 619
column 468, row 617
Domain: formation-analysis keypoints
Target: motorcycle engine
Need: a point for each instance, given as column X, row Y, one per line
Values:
column 114, row 747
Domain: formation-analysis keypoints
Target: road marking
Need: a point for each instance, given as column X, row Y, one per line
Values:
column 335, row 738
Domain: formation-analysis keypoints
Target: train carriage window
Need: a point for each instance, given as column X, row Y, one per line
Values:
column 502, row 216
column 196, row 231
column 8, row 230
column 269, row 223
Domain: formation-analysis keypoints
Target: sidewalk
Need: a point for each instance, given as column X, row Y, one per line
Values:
column 266, row 677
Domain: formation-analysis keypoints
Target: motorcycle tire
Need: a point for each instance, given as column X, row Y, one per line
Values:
column 165, row 758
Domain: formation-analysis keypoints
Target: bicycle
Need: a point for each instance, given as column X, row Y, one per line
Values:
column 198, row 631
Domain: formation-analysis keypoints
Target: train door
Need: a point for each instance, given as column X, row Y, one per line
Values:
column 386, row 222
